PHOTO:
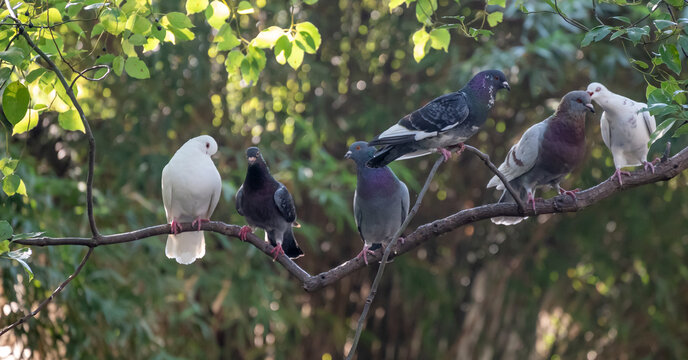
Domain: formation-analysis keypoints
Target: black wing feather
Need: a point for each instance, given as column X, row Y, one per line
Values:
column 436, row 115
column 285, row 203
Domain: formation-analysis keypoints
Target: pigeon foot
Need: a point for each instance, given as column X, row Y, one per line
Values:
column 198, row 222
column 618, row 174
column 445, row 153
column 649, row 165
column 244, row 231
column 460, row 147
column 364, row 253
column 277, row 251
column 531, row 200
column 176, row 226
column 571, row 193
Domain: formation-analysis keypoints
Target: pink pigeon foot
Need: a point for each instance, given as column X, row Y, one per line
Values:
column 402, row 240
column 244, row 231
column 531, row 200
column 277, row 251
column 460, row 147
column 365, row 253
column 176, row 226
column 649, row 165
column 446, row 153
column 618, row 174
column 198, row 222
column 571, row 193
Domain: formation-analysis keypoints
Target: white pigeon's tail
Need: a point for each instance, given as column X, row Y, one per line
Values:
column 185, row 247
column 507, row 220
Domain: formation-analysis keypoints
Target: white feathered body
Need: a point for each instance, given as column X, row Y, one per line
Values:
column 191, row 187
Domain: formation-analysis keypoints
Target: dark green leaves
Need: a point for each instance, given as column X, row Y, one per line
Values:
column 13, row 56
column 5, row 233
column 669, row 55
column 596, row 34
column 15, row 102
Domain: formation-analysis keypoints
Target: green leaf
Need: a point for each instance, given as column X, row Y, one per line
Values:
column 295, row 59
column 195, row 6
column 424, row 10
column 307, row 37
column 234, row 59
column 501, row 3
column 5, row 245
column 7, row 166
column 661, row 130
column 226, row 38
column 73, row 9
column 596, row 34
column 70, row 120
column 178, row 20
column 310, row 2
column 21, row 256
column 439, row 39
column 636, row 33
column 113, row 20
column 136, row 68
column 5, row 74
column 393, row 4
column 682, row 130
column 283, row 49
column 253, row 64
column 137, row 39
column 670, row 57
column 663, row 24
column 268, row 37
column 13, row 184
column 622, row 18
column 13, row 56
column 5, row 233
column 216, row 14
column 617, row 34
column 683, row 43
column 52, row 15
column 35, row 74
column 420, row 39
column 15, row 102
column 245, row 8
column 29, row 122
column 495, row 18
column 138, row 24
column 118, row 65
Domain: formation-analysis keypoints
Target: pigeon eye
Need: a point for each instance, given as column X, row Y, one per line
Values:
column 207, row 145
column 358, row 148
column 598, row 89
column 496, row 78
column 579, row 100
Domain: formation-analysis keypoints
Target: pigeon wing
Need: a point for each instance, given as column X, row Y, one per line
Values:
column 285, row 203
column 522, row 156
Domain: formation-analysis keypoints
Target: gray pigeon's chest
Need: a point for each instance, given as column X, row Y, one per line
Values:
column 381, row 218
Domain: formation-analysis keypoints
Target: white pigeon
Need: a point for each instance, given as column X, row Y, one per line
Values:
column 191, row 187
column 626, row 129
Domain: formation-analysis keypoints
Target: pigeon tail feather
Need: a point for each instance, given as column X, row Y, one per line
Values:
column 185, row 247
column 507, row 220
column 388, row 154
column 290, row 246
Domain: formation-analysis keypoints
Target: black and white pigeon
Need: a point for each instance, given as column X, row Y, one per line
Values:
column 545, row 154
column 267, row 204
column 626, row 129
column 191, row 187
column 446, row 121
column 381, row 200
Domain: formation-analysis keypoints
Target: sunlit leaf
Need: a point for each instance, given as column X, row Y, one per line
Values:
column 295, row 59
column 113, row 20
column 136, row 68
column 307, row 37
column 118, row 65
column 179, row 20
column 501, row 3
column 420, row 39
column 13, row 184
column 216, row 14
column 282, row 49
column 234, row 59
column 662, row 129
column 15, row 101
column 5, row 244
column 495, row 18
column 268, row 37
column 245, row 8
column 7, row 166
column 52, row 15
column 27, row 123
column 439, row 39
column 226, row 38
column 70, row 120
column 395, row 3
column 194, row 6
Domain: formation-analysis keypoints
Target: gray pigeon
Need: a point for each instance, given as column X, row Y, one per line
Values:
column 267, row 204
column 446, row 121
column 191, row 188
column 625, row 127
column 381, row 201
column 546, row 153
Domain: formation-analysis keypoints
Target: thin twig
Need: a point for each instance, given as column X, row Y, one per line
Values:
column 75, row 102
column 385, row 257
column 486, row 159
column 51, row 297
column 92, row 68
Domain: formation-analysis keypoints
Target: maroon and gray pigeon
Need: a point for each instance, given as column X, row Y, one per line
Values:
column 381, row 201
column 191, row 188
column 626, row 129
column 444, row 122
column 267, row 204
column 545, row 154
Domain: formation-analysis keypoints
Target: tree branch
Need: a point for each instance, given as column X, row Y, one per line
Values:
column 486, row 159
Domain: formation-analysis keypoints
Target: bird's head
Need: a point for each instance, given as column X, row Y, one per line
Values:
column 253, row 156
column 205, row 144
column 596, row 90
column 577, row 101
column 360, row 152
column 493, row 78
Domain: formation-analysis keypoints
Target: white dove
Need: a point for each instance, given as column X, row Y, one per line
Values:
column 626, row 130
column 191, row 187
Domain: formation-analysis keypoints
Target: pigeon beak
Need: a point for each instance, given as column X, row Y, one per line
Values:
column 590, row 93
column 251, row 159
column 347, row 155
column 506, row 85
column 590, row 107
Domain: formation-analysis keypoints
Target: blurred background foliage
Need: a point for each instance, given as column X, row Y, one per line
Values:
column 608, row 282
